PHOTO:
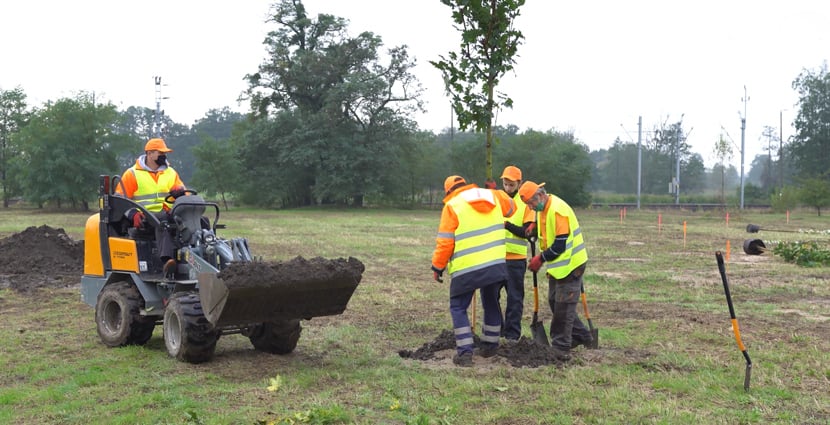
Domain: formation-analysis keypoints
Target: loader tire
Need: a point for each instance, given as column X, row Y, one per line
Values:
column 188, row 335
column 118, row 316
column 278, row 337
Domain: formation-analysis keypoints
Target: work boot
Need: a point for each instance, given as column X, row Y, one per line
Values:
column 577, row 342
column 464, row 359
column 487, row 350
column 563, row 355
column 169, row 268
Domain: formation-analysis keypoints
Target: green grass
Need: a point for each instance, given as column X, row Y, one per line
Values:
column 667, row 353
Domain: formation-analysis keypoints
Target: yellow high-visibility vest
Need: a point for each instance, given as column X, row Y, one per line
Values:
column 151, row 193
column 516, row 244
column 479, row 238
column 575, row 253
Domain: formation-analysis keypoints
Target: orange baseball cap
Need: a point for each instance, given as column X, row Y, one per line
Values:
column 156, row 145
column 452, row 181
column 529, row 189
column 512, row 173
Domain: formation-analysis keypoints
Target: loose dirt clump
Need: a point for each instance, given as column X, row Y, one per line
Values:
column 40, row 257
column 523, row 353
column 298, row 271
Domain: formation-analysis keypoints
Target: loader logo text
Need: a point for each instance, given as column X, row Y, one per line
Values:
column 122, row 254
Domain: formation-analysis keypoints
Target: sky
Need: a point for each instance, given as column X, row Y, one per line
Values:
column 590, row 68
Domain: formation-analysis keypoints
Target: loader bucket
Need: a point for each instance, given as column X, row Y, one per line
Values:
column 254, row 292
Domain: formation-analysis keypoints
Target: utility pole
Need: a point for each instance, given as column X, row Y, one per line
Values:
column 677, row 161
column 781, row 148
column 743, row 139
column 639, row 157
column 677, row 168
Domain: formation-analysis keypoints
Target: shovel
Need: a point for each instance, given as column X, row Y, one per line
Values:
column 735, row 328
column 594, row 331
column 537, row 328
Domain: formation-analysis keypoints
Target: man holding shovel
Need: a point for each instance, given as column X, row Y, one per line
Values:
column 518, row 229
column 470, row 246
column 563, row 253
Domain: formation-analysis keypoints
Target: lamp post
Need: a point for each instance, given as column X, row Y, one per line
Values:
column 157, row 118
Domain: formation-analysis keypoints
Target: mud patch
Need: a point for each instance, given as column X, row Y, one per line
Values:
column 523, row 353
column 40, row 257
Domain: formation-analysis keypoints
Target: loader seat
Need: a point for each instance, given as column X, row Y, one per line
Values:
column 188, row 218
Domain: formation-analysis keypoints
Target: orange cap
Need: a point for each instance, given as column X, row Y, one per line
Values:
column 453, row 181
column 512, row 173
column 529, row 189
column 156, row 145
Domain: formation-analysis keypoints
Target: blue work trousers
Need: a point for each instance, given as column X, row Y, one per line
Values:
column 511, row 327
column 491, row 328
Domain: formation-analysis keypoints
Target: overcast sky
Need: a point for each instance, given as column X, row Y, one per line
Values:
column 587, row 67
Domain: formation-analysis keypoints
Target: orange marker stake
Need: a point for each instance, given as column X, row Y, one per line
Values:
column 659, row 223
column 621, row 215
column 727, row 219
column 625, row 212
column 728, row 249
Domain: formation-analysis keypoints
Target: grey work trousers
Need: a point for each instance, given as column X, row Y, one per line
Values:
column 563, row 295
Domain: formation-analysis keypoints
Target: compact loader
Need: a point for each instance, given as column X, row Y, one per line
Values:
column 217, row 287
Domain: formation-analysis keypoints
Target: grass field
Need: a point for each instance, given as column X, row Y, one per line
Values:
column 667, row 352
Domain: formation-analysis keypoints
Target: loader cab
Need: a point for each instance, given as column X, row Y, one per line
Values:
column 186, row 223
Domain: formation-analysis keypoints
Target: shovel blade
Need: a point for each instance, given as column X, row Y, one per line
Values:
column 537, row 329
column 594, row 339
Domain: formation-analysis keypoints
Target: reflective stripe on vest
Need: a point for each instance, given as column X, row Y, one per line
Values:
column 479, row 238
column 575, row 253
column 515, row 244
column 150, row 194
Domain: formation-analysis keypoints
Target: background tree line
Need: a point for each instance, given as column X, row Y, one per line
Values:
column 330, row 123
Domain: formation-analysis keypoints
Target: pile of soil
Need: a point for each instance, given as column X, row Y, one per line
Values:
column 523, row 353
column 40, row 257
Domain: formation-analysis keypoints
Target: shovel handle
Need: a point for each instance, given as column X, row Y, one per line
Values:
column 584, row 300
column 535, row 281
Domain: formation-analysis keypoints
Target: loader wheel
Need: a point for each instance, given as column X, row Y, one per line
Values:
column 118, row 316
column 188, row 335
column 278, row 337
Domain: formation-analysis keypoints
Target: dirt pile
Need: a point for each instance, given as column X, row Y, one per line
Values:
column 523, row 353
column 40, row 257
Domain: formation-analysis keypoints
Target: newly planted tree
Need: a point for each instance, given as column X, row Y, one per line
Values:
column 489, row 43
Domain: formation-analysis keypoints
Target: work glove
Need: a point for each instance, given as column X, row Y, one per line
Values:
column 535, row 263
column 136, row 217
column 176, row 191
column 437, row 273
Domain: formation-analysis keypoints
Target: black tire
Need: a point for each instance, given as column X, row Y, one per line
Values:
column 118, row 316
column 279, row 337
column 188, row 335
